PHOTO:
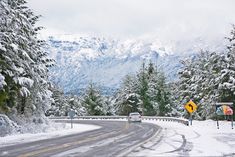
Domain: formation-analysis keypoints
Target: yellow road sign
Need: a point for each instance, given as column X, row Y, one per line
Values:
column 190, row 106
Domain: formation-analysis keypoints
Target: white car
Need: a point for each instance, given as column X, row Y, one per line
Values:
column 134, row 117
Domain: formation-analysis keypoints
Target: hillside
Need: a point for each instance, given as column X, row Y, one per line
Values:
column 105, row 62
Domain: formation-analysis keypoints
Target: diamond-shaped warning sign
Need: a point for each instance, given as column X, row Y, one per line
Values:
column 190, row 106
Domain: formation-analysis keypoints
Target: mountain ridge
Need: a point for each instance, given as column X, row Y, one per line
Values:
column 105, row 62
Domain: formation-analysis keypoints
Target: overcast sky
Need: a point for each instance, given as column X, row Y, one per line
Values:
column 164, row 19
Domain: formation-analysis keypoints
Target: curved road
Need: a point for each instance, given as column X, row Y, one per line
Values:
column 112, row 139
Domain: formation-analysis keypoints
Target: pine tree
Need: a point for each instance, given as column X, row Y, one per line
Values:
column 74, row 104
column 93, row 101
column 142, row 79
column 158, row 92
column 197, row 81
column 23, row 62
column 153, row 105
column 108, row 106
column 147, row 93
column 163, row 95
column 127, row 99
column 227, row 75
column 60, row 104
column 206, row 79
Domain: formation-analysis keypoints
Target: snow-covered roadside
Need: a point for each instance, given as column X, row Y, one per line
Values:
column 201, row 139
column 51, row 133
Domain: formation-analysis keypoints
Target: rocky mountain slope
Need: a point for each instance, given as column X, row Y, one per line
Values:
column 105, row 62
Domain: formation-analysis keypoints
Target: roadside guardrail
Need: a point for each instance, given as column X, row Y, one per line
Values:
column 168, row 119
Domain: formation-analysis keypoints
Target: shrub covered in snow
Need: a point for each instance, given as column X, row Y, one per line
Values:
column 7, row 126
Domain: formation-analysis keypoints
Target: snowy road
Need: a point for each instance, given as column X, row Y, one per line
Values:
column 114, row 138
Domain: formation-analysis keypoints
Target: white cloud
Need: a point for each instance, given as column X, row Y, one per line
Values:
column 165, row 19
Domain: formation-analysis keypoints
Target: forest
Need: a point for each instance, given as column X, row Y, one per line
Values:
column 26, row 94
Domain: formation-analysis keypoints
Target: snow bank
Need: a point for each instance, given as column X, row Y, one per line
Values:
column 57, row 130
column 201, row 139
column 7, row 126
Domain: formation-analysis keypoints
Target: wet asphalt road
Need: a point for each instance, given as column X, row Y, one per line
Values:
column 112, row 139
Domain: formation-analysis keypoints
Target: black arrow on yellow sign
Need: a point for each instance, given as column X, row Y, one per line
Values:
column 190, row 105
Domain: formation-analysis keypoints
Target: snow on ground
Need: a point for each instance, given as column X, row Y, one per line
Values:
column 201, row 139
column 175, row 139
column 65, row 129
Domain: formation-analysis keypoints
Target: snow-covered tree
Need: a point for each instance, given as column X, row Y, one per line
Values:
column 127, row 100
column 94, row 101
column 163, row 95
column 62, row 104
column 23, row 62
column 227, row 73
column 108, row 106
column 78, row 106
column 207, row 78
column 198, row 82
column 158, row 92
column 147, row 92
column 142, row 88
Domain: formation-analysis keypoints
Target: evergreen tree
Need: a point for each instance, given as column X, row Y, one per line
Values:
column 198, row 82
column 163, row 95
column 206, row 79
column 152, row 106
column 60, row 104
column 23, row 62
column 93, row 101
column 177, row 108
column 127, row 100
column 158, row 92
column 142, row 88
column 76, row 105
column 108, row 106
column 147, row 93
column 227, row 73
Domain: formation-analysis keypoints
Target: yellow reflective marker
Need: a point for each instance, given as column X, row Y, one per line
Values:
column 190, row 106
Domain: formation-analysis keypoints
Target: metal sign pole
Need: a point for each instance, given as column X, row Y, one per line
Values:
column 71, row 115
column 71, row 122
column 217, row 120
column 191, row 119
column 232, row 116
column 232, row 121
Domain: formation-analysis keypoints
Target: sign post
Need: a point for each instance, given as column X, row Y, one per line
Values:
column 190, row 107
column 191, row 119
column 71, row 114
column 232, row 121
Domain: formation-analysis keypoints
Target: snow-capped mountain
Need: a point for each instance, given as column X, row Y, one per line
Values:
column 105, row 62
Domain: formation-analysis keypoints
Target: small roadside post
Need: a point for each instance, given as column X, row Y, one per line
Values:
column 190, row 107
column 71, row 114
column 226, row 109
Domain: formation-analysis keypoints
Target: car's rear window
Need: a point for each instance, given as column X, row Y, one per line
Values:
column 133, row 114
